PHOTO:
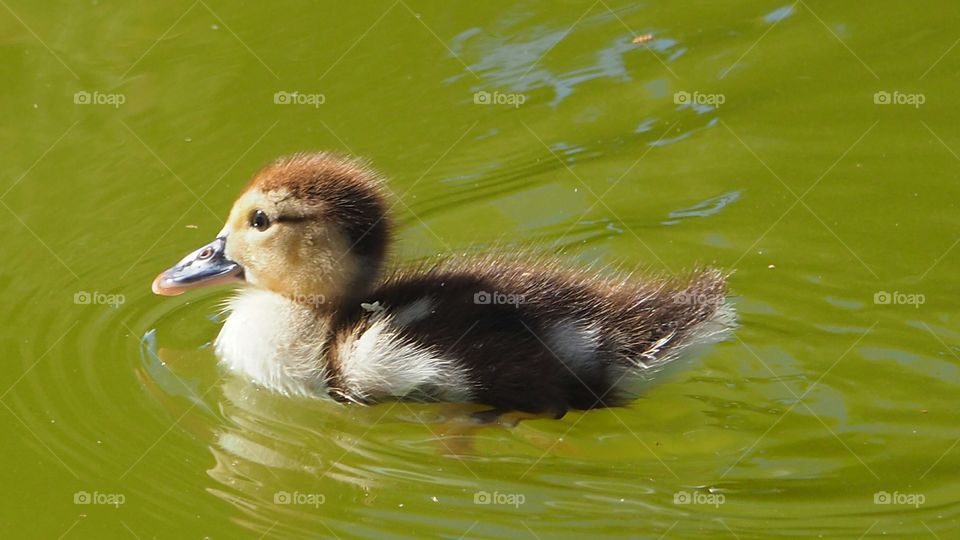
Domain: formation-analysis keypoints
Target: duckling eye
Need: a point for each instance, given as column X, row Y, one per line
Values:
column 259, row 220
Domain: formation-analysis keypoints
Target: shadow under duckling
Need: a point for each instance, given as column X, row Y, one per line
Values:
column 308, row 237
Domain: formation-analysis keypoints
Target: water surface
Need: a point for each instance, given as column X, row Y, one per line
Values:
column 809, row 147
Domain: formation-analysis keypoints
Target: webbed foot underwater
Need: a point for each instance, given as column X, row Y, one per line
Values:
column 318, row 315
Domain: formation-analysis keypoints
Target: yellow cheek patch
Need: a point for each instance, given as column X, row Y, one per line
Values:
column 307, row 256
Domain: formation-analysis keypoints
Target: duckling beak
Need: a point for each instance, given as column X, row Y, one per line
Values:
column 205, row 266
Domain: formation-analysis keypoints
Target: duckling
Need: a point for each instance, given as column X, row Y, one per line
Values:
column 318, row 316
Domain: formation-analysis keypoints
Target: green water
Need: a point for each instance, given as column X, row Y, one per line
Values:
column 777, row 163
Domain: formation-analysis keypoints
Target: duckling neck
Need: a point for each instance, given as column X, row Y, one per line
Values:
column 277, row 341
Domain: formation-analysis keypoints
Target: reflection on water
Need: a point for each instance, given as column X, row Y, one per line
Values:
column 509, row 54
column 298, row 464
column 705, row 208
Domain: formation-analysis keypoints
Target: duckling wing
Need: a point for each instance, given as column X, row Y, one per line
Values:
column 519, row 338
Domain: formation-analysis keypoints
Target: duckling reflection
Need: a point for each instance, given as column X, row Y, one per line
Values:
column 265, row 445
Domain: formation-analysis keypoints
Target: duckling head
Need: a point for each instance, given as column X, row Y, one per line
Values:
column 307, row 227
